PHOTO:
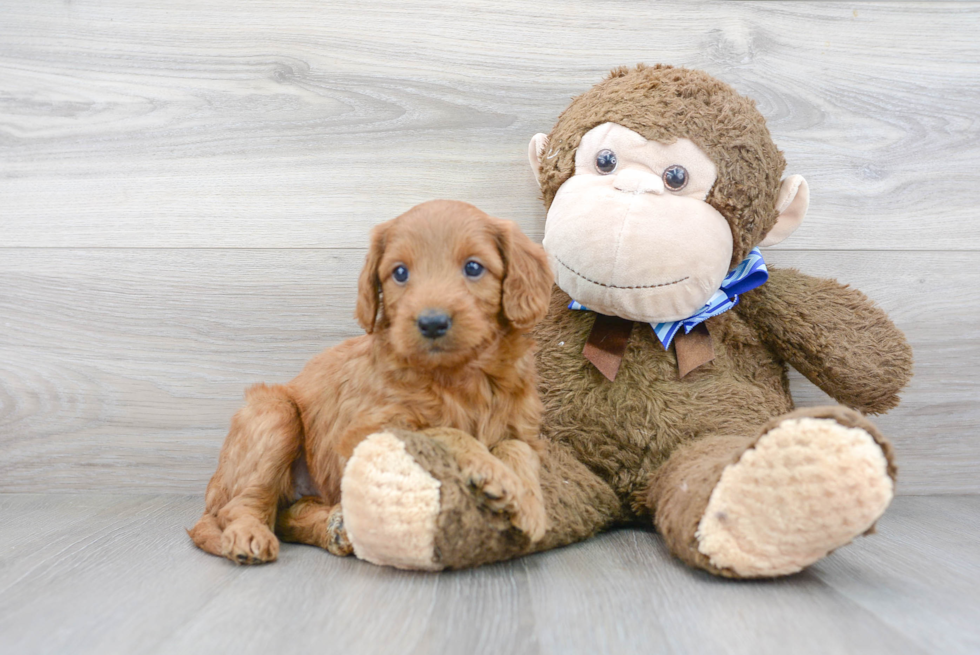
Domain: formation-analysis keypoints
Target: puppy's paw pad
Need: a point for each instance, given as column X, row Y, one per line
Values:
column 476, row 471
column 499, row 485
column 249, row 541
column 498, row 492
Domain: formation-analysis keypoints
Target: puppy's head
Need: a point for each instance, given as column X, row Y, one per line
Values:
column 444, row 280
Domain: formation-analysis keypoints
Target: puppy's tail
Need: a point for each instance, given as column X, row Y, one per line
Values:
column 206, row 534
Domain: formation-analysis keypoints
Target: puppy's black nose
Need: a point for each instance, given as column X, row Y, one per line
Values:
column 433, row 323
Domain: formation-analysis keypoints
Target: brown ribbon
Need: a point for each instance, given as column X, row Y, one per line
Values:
column 609, row 336
column 693, row 348
column 607, row 343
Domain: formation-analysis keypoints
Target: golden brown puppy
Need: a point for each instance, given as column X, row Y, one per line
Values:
column 446, row 297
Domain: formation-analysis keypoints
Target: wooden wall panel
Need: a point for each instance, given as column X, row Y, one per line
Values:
column 300, row 124
column 186, row 190
column 121, row 368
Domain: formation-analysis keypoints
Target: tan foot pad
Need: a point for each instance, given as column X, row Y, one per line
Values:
column 390, row 505
column 809, row 486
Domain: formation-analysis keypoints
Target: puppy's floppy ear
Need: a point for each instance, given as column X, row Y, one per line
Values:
column 369, row 284
column 527, row 277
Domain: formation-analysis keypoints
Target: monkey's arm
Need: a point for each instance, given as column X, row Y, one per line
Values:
column 834, row 335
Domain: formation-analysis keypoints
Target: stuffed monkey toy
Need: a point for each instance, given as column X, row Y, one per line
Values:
column 663, row 359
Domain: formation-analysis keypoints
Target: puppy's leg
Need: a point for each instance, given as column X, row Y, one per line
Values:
column 253, row 477
column 311, row 521
column 527, row 505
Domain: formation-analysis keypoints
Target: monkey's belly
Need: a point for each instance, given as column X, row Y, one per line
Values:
column 624, row 429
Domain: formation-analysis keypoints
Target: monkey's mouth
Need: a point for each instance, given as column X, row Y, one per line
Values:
column 613, row 286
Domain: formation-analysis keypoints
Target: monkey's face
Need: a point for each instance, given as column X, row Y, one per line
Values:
column 630, row 233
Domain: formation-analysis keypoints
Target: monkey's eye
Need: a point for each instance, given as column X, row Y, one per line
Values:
column 400, row 274
column 675, row 177
column 473, row 269
column 605, row 162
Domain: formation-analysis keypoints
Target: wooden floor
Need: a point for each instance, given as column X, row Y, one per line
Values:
column 115, row 574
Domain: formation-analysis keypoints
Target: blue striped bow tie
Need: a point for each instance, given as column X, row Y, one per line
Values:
column 748, row 275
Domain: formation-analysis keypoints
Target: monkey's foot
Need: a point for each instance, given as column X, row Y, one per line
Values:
column 810, row 484
column 407, row 504
column 390, row 505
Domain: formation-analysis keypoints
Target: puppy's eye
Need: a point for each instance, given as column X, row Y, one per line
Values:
column 605, row 162
column 473, row 269
column 675, row 177
column 400, row 274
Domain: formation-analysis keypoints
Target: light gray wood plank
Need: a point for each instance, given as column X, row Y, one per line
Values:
column 361, row 608
column 121, row 368
column 127, row 579
column 27, row 520
column 300, row 124
column 935, row 600
column 641, row 600
column 118, row 582
column 40, row 531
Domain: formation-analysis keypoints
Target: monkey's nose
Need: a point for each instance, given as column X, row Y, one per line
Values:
column 433, row 323
column 631, row 180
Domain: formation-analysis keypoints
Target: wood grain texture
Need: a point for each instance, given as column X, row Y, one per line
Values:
column 121, row 368
column 940, row 533
column 186, row 191
column 98, row 574
column 299, row 124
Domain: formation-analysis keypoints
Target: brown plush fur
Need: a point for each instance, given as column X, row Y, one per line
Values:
column 478, row 378
column 834, row 336
column 618, row 450
column 626, row 429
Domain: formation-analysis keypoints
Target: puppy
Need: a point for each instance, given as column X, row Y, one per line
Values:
column 446, row 296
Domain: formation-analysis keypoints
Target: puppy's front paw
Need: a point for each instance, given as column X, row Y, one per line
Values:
column 494, row 479
column 247, row 540
column 504, row 491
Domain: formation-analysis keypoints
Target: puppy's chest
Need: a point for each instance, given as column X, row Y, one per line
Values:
column 474, row 408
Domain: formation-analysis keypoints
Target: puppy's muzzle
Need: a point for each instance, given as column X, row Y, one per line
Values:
column 433, row 323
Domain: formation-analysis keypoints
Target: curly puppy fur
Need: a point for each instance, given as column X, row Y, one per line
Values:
column 478, row 378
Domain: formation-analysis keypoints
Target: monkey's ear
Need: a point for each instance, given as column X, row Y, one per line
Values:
column 792, row 203
column 527, row 277
column 369, row 283
column 535, row 149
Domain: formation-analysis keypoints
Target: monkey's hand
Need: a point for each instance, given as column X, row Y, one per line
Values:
column 833, row 335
